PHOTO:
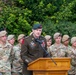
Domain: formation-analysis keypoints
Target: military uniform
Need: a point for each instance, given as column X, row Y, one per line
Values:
column 58, row 51
column 67, row 48
column 5, row 65
column 72, row 54
column 17, row 61
column 49, row 42
column 31, row 50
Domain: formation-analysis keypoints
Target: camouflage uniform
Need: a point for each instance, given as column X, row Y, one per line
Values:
column 57, row 51
column 5, row 65
column 49, row 42
column 17, row 61
column 67, row 48
column 72, row 54
column 48, row 49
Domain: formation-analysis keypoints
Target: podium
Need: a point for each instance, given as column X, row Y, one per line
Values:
column 45, row 66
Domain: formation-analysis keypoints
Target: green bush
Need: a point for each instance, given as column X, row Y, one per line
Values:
column 63, row 27
column 15, row 20
column 18, row 16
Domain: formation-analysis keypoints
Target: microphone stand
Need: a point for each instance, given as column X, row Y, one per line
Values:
column 37, row 40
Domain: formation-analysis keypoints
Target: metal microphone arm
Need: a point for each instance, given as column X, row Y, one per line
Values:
column 40, row 42
column 48, row 55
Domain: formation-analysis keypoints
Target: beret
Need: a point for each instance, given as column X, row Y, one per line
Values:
column 37, row 26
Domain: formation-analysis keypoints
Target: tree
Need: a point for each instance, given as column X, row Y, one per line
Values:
column 18, row 16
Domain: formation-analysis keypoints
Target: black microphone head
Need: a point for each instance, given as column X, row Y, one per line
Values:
column 39, row 41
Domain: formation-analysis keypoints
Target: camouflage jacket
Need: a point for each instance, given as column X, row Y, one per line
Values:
column 57, row 51
column 4, row 57
column 17, row 61
column 72, row 54
column 67, row 48
column 49, row 50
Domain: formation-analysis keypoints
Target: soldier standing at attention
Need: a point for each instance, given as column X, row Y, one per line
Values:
column 65, row 41
column 58, row 49
column 11, row 39
column 33, row 48
column 72, row 54
column 49, row 42
column 5, row 50
column 17, row 61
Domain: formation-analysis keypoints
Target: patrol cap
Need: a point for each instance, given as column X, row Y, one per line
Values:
column 3, row 33
column 57, row 35
column 10, row 37
column 65, row 38
column 73, row 39
column 47, row 37
column 20, row 36
column 37, row 26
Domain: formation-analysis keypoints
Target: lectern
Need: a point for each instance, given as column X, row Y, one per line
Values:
column 45, row 66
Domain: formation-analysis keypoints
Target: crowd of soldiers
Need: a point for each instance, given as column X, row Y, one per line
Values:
column 11, row 62
column 61, row 48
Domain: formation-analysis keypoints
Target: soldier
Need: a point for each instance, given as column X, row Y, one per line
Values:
column 5, row 50
column 65, row 41
column 57, row 49
column 49, row 42
column 11, row 39
column 17, row 61
column 72, row 54
column 33, row 48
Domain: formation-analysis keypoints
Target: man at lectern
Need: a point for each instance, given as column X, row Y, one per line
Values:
column 33, row 48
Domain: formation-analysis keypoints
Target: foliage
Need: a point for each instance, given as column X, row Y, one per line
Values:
column 18, row 16
column 63, row 27
column 15, row 21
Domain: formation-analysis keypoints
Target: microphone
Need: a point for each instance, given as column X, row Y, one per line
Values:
column 37, row 40
column 40, row 42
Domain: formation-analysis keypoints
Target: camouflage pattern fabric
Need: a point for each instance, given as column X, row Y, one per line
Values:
column 17, row 61
column 5, row 65
column 57, row 51
column 6, row 73
column 49, row 50
column 72, row 54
